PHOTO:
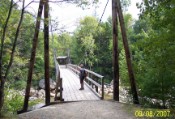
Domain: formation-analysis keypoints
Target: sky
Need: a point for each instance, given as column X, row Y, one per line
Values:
column 68, row 15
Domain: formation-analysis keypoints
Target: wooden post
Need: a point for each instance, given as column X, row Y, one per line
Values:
column 46, row 51
column 57, row 82
column 128, row 57
column 102, row 83
column 61, row 89
column 32, row 58
column 115, row 52
column 96, row 80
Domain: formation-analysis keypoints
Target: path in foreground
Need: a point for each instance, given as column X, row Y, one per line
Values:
column 81, row 110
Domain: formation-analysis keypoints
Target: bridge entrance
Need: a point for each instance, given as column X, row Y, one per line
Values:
column 71, row 85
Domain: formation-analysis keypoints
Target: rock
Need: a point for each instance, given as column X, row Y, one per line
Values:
column 52, row 84
column 110, row 94
column 58, row 95
column 37, row 106
column 22, row 92
column 110, row 91
column 111, row 83
column 52, row 91
column 100, row 92
column 111, row 87
column 32, row 92
column 106, row 92
column 33, row 98
column 52, row 95
column 41, row 94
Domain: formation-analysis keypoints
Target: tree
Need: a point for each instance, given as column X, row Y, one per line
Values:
column 32, row 58
column 15, row 41
column 2, row 79
column 154, row 56
column 64, row 43
column 103, row 51
column 85, row 42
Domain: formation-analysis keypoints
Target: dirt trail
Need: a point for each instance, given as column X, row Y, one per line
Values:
column 81, row 110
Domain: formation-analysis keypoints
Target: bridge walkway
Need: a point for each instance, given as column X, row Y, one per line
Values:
column 71, row 85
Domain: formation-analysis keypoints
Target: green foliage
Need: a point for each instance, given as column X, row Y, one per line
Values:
column 13, row 101
column 64, row 42
column 85, row 42
column 154, row 47
column 92, row 45
column 125, row 4
column 151, row 40
column 84, row 3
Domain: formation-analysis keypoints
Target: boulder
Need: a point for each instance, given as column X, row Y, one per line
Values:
column 105, row 86
column 37, row 106
column 110, row 94
column 41, row 94
column 33, row 98
column 22, row 92
column 52, row 91
column 32, row 92
column 112, row 83
column 52, row 95
column 106, row 92
column 110, row 91
column 42, row 84
column 111, row 87
column 100, row 92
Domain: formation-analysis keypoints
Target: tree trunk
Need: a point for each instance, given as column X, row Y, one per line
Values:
column 128, row 57
column 15, row 41
column 115, row 52
column 46, row 51
column 1, row 94
column 2, row 80
column 32, row 58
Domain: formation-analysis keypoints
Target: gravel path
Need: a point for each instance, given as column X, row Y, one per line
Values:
column 81, row 110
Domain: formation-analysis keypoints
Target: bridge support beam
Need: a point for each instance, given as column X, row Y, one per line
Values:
column 115, row 52
column 127, row 52
column 117, row 12
column 46, row 51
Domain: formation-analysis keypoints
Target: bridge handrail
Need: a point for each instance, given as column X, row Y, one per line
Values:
column 59, row 87
column 91, row 81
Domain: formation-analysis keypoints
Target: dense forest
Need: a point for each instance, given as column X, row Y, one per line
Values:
column 150, row 40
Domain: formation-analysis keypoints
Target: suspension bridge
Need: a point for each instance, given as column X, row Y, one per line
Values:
column 79, row 104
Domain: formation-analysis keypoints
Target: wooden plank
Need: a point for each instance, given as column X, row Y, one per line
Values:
column 71, row 87
column 69, row 83
column 76, row 86
column 87, row 90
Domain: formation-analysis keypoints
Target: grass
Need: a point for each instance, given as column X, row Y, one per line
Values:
column 107, row 97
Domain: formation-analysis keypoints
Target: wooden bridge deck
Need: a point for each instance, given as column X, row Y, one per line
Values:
column 71, row 85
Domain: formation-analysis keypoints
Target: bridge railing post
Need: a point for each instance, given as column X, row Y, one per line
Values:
column 102, row 83
column 59, row 85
